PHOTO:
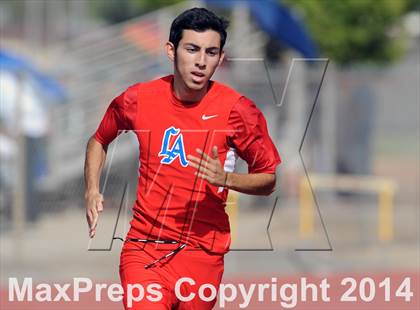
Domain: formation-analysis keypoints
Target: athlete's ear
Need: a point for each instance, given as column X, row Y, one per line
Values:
column 222, row 56
column 170, row 50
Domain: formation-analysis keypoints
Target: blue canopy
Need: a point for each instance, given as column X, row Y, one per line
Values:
column 48, row 86
column 278, row 22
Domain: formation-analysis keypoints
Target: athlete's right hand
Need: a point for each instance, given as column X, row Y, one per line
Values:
column 94, row 205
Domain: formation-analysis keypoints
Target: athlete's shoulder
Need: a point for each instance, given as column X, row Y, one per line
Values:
column 150, row 85
column 227, row 90
column 245, row 103
column 132, row 90
column 155, row 84
column 245, row 110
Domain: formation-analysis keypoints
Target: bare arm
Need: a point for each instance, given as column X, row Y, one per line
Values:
column 94, row 162
column 210, row 169
column 252, row 184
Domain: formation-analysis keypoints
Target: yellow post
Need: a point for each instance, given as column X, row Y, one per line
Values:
column 385, row 216
column 232, row 211
column 306, row 214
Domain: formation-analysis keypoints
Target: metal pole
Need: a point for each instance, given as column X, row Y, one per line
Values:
column 385, row 213
column 306, row 210
column 19, row 201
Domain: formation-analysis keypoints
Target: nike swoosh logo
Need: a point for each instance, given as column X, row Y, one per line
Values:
column 206, row 117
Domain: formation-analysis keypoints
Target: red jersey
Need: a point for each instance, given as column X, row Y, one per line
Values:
column 172, row 203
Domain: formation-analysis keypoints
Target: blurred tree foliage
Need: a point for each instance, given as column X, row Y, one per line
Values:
column 355, row 30
column 115, row 11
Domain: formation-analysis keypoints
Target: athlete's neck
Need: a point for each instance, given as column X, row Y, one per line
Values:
column 186, row 94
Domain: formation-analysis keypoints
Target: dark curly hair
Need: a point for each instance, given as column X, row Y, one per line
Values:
column 198, row 19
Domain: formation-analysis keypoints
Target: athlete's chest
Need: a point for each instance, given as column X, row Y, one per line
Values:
column 167, row 135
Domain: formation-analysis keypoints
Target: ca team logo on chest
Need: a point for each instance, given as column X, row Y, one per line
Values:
column 175, row 150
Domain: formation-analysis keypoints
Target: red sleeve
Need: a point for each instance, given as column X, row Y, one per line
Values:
column 119, row 116
column 251, row 139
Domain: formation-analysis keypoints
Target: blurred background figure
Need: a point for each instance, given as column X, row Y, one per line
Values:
column 25, row 100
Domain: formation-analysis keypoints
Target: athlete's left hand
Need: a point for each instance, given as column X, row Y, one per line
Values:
column 209, row 168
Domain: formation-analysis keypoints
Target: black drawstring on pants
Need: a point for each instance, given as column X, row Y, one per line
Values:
column 159, row 242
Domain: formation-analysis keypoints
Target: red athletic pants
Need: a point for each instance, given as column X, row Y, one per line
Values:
column 191, row 268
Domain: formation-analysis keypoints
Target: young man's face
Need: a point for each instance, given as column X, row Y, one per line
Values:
column 197, row 57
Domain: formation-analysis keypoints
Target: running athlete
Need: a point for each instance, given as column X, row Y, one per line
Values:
column 190, row 131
